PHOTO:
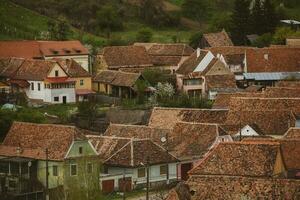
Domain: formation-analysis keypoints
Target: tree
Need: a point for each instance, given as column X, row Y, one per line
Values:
column 257, row 22
column 270, row 17
column 196, row 9
column 108, row 20
column 144, row 35
column 153, row 13
column 195, row 39
column 240, row 21
column 59, row 30
column 154, row 76
column 164, row 91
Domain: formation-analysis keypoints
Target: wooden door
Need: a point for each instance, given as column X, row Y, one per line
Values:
column 108, row 186
column 185, row 167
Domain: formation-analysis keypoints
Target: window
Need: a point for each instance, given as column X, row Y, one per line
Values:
column 81, row 82
column 56, row 73
column 194, row 81
column 55, row 170
column 163, row 169
column 80, row 150
column 32, row 86
column 89, row 168
column 39, row 87
column 141, row 172
column 56, row 99
column 73, row 169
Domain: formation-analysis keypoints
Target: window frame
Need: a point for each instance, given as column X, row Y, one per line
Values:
column 143, row 172
column 39, row 86
column 54, row 170
column 81, row 82
column 76, row 169
column 55, row 98
column 89, row 168
column 163, row 171
column 56, row 73
column 32, row 86
column 80, row 150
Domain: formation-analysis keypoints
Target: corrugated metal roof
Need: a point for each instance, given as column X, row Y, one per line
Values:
column 271, row 76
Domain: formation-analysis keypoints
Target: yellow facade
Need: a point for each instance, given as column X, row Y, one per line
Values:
column 57, row 71
column 83, row 83
column 102, row 88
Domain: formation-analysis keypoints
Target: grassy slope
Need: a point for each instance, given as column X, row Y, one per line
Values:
column 17, row 22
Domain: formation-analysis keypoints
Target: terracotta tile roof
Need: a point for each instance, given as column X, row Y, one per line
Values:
column 127, row 152
column 235, row 59
column 222, row 100
column 117, row 78
column 12, row 151
column 218, row 39
column 229, row 50
column 168, row 117
column 220, row 81
column 9, row 66
column 38, row 49
column 273, row 60
column 147, row 45
column 192, row 140
column 292, row 133
column 291, row 153
column 20, row 83
column 166, row 60
column 265, row 104
column 254, row 159
column 136, row 131
column 72, row 68
column 126, row 56
column 190, row 64
column 34, row 70
column 170, row 50
column 254, row 88
column 57, row 138
column 280, row 92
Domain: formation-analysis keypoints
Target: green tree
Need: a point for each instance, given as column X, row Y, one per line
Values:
column 270, row 17
column 152, row 11
column 154, row 76
column 257, row 22
column 195, row 39
column 59, row 30
column 240, row 21
column 108, row 20
column 196, row 9
column 220, row 21
column 144, row 35
column 264, row 40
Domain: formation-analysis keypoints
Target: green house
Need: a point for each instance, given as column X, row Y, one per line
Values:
column 72, row 161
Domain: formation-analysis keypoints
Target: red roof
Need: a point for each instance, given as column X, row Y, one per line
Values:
column 39, row 49
column 20, row 83
column 59, row 80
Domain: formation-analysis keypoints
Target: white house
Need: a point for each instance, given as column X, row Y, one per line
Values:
column 129, row 159
column 47, row 81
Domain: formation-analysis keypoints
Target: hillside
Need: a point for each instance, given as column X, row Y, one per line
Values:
column 20, row 23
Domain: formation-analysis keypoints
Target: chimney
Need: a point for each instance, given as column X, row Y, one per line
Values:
column 198, row 52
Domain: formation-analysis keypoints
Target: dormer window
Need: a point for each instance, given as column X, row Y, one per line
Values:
column 80, row 150
column 56, row 73
column 77, row 50
column 67, row 51
column 54, row 51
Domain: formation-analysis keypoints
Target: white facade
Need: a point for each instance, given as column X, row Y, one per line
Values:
column 82, row 60
column 37, row 90
column 115, row 173
column 247, row 131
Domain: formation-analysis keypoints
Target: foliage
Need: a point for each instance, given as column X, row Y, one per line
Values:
column 109, row 20
column 141, row 86
column 144, row 35
column 195, row 39
column 264, row 40
column 59, row 30
column 164, row 91
column 281, row 34
column 240, row 21
column 220, row 21
column 257, row 16
column 196, row 9
column 154, row 76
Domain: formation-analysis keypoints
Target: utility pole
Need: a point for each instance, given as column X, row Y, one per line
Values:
column 124, row 185
column 147, row 187
column 167, row 148
column 47, row 176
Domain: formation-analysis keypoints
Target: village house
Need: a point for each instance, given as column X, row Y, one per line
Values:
column 187, row 141
column 123, row 58
column 28, row 148
column 45, row 50
column 117, row 83
column 218, row 39
column 168, row 57
column 202, row 74
column 50, row 81
column 127, row 162
column 293, row 41
column 224, row 172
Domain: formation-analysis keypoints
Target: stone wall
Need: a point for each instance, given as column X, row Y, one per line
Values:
column 229, row 187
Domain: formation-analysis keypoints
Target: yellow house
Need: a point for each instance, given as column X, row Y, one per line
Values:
column 83, row 84
column 4, row 87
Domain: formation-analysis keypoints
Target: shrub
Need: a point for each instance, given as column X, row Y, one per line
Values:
column 144, row 35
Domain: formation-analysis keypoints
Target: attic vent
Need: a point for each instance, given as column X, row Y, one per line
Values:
column 67, row 50
column 266, row 56
column 77, row 50
column 54, row 51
